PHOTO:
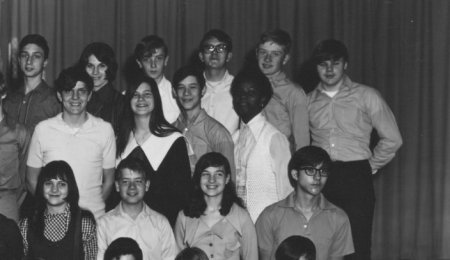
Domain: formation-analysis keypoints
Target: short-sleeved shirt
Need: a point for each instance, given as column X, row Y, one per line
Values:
column 30, row 109
column 328, row 228
column 150, row 230
column 88, row 150
column 231, row 238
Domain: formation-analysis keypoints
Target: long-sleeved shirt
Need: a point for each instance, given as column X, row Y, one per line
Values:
column 287, row 110
column 232, row 238
column 205, row 134
column 30, row 109
column 169, row 104
column 342, row 124
column 218, row 102
column 150, row 229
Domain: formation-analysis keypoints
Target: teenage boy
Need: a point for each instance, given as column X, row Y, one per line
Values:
column 306, row 212
column 287, row 109
column 342, row 116
column 33, row 101
column 14, row 140
column 215, row 53
column 86, row 142
column 133, row 218
column 203, row 132
column 152, row 56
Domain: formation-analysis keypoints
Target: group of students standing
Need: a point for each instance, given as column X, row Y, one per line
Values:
column 196, row 162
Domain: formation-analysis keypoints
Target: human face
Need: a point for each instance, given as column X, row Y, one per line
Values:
column 97, row 71
column 132, row 186
column 125, row 257
column 155, row 64
column 56, row 192
column 75, row 100
column 310, row 185
column 247, row 101
column 32, row 60
column 214, row 59
column 331, row 73
column 142, row 102
column 213, row 181
column 271, row 58
column 189, row 93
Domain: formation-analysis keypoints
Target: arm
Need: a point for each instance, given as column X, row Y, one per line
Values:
column 168, row 246
column 23, row 228
column 222, row 142
column 108, row 181
column 264, row 234
column 298, row 115
column 179, row 231
column 89, row 237
column 249, row 241
column 383, row 121
column 102, row 242
column 280, row 154
column 32, row 177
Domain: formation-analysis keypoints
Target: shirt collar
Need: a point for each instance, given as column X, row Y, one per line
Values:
column 256, row 124
column 66, row 212
column 288, row 202
column 145, row 212
column 280, row 76
column 221, row 84
column 39, row 89
column 200, row 117
column 347, row 83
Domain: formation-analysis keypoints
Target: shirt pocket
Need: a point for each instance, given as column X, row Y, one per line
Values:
column 232, row 250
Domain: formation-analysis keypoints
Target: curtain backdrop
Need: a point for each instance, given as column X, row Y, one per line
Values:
column 399, row 47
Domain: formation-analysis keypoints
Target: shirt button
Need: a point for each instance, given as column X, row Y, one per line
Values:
column 210, row 244
column 212, row 256
column 305, row 226
column 332, row 145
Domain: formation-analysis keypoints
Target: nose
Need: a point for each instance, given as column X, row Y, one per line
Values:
column 29, row 59
column 132, row 185
column 54, row 187
column 329, row 68
column 317, row 176
column 268, row 57
column 75, row 94
column 212, row 179
column 152, row 63
column 95, row 72
column 187, row 92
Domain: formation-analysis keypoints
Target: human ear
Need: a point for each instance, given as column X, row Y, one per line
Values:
column 294, row 174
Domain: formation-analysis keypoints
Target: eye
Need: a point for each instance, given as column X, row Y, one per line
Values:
column 62, row 184
column 262, row 52
column 148, row 95
column 159, row 59
column 102, row 66
column 23, row 55
column 37, row 56
column 89, row 66
column 47, row 183
column 83, row 91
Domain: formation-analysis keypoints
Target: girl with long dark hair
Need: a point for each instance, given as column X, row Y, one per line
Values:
column 57, row 228
column 215, row 220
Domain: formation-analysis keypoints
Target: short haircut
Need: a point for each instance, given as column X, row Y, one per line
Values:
column 69, row 77
column 192, row 253
column 308, row 156
column 278, row 36
column 37, row 39
column 133, row 164
column 123, row 246
column 255, row 78
column 186, row 71
column 104, row 53
column 220, row 35
column 330, row 49
column 294, row 247
column 148, row 45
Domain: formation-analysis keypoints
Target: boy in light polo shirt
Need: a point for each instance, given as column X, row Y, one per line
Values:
column 133, row 218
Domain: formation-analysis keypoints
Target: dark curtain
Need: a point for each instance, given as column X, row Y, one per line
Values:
column 400, row 47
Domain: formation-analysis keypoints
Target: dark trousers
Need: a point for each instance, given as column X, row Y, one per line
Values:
column 350, row 187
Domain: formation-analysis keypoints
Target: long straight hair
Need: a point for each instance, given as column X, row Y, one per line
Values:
column 158, row 125
column 53, row 170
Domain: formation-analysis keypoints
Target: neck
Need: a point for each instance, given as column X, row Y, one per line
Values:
column 75, row 120
column 215, row 74
column 335, row 87
column 306, row 202
column 56, row 209
column 274, row 74
column 213, row 203
column 31, row 83
column 97, row 88
column 190, row 115
column 142, row 123
column 158, row 79
column 133, row 210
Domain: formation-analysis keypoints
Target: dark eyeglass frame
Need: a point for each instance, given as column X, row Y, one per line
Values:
column 312, row 171
column 219, row 48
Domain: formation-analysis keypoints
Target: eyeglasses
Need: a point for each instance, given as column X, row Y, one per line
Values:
column 215, row 48
column 311, row 171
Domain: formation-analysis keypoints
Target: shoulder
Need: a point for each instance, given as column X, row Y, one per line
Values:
column 337, row 214
column 214, row 127
column 47, row 123
column 88, row 219
column 101, row 124
column 159, row 219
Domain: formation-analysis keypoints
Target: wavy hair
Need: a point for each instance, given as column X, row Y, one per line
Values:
column 197, row 204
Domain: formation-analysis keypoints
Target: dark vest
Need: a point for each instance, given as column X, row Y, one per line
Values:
column 42, row 248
